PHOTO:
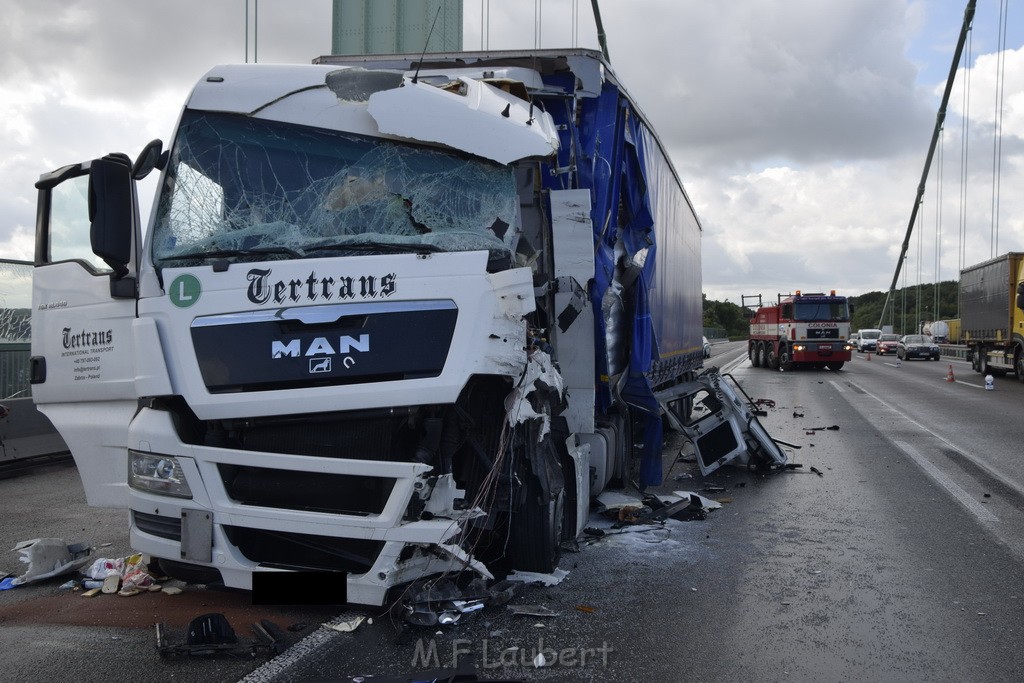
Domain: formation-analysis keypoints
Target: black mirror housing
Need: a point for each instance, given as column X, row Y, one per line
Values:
column 111, row 211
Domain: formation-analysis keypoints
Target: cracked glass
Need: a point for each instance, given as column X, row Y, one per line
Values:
column 15, row 328
column 244, row 187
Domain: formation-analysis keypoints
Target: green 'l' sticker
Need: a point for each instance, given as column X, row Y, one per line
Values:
column 185, row 290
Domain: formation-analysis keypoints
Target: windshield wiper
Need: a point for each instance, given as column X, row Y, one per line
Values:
column 224, row 253
column 378, row 247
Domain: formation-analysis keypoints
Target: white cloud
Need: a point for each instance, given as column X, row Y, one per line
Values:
column 800, row 128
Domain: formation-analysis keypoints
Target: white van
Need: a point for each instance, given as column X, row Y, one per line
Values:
column 867, row 340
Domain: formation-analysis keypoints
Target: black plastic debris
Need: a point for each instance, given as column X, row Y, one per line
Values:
column 444, row 602
column 817, row 471
column 207, row 635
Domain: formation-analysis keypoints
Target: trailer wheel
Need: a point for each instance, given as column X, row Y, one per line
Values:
column 754, row 354
column 1018, row 365
column 982, row 362
column 762, row 355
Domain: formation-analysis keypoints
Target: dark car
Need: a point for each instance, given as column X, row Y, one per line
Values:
column 917, row 346
column 887, row 343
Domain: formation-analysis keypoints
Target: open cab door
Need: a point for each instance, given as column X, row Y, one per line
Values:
column 84, row 294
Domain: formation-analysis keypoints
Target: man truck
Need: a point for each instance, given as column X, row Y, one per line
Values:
column 392, row 316
column 802, row 329
column 992, row 315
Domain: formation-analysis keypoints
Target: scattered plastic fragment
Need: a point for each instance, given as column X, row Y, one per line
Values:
column 532, row 611
column 171, row 590
column 817, row 471
column 553, row 579
column 91, row 593
column 347, row 626
column 67, row 585
column 49, row 557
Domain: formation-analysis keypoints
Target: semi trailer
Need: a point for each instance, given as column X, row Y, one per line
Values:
column 992, row 314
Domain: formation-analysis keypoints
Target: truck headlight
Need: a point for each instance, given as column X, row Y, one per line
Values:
column 159, row 474
column 799, row 347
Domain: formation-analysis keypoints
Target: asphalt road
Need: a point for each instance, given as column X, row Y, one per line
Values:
column 892, row 564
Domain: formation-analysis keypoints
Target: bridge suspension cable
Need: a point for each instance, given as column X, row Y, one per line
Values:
column 940, row 118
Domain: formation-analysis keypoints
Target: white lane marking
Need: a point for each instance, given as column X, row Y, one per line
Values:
column 992, row 471
column 976, row 386
column 836, row 385
column 973, row 506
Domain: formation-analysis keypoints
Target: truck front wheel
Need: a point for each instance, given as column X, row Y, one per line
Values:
column 1018, row 365
column 536, row 521
column 535, row 534
column 785, row 358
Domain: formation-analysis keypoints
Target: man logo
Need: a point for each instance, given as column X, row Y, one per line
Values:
column 319, row 365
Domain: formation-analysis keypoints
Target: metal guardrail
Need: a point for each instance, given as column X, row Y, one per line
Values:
column 957, row 351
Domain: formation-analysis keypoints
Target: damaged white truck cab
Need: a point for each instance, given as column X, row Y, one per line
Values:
column 390, row 318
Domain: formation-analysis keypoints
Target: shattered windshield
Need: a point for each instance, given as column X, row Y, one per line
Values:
column 834, row 311
column 238, row 186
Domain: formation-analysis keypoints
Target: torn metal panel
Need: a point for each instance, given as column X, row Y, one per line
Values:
column 721, row 425
column 572, row 234
column 479, row 119
column 540, row 373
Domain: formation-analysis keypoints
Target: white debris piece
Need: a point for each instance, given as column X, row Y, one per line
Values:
column 706, row 502
column 552, row 579
column 49, row 557
column 539, row 369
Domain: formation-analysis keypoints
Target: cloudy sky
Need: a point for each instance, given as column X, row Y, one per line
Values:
column 800, row 127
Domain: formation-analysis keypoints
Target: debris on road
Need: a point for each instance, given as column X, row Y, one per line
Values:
column 444, row 603
column 208, row 634
column 533, row 611
column 553, row 579
column 817, row 471
column 49, row 557
column 347, row 625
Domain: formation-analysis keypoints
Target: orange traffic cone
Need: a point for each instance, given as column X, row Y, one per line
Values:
column 949, row 375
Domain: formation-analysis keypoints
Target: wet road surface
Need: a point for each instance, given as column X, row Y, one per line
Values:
column 878, row 569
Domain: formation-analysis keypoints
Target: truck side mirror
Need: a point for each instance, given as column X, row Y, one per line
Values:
column 110, row 211
column 152, row 156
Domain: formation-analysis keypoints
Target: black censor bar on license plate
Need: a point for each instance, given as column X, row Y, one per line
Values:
column 299, row 588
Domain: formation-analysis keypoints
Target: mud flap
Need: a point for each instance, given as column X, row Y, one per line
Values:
column 721, row 423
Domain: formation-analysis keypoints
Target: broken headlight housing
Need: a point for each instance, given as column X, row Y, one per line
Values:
column 160, row 474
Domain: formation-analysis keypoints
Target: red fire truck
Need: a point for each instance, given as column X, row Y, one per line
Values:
column 809, row 329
